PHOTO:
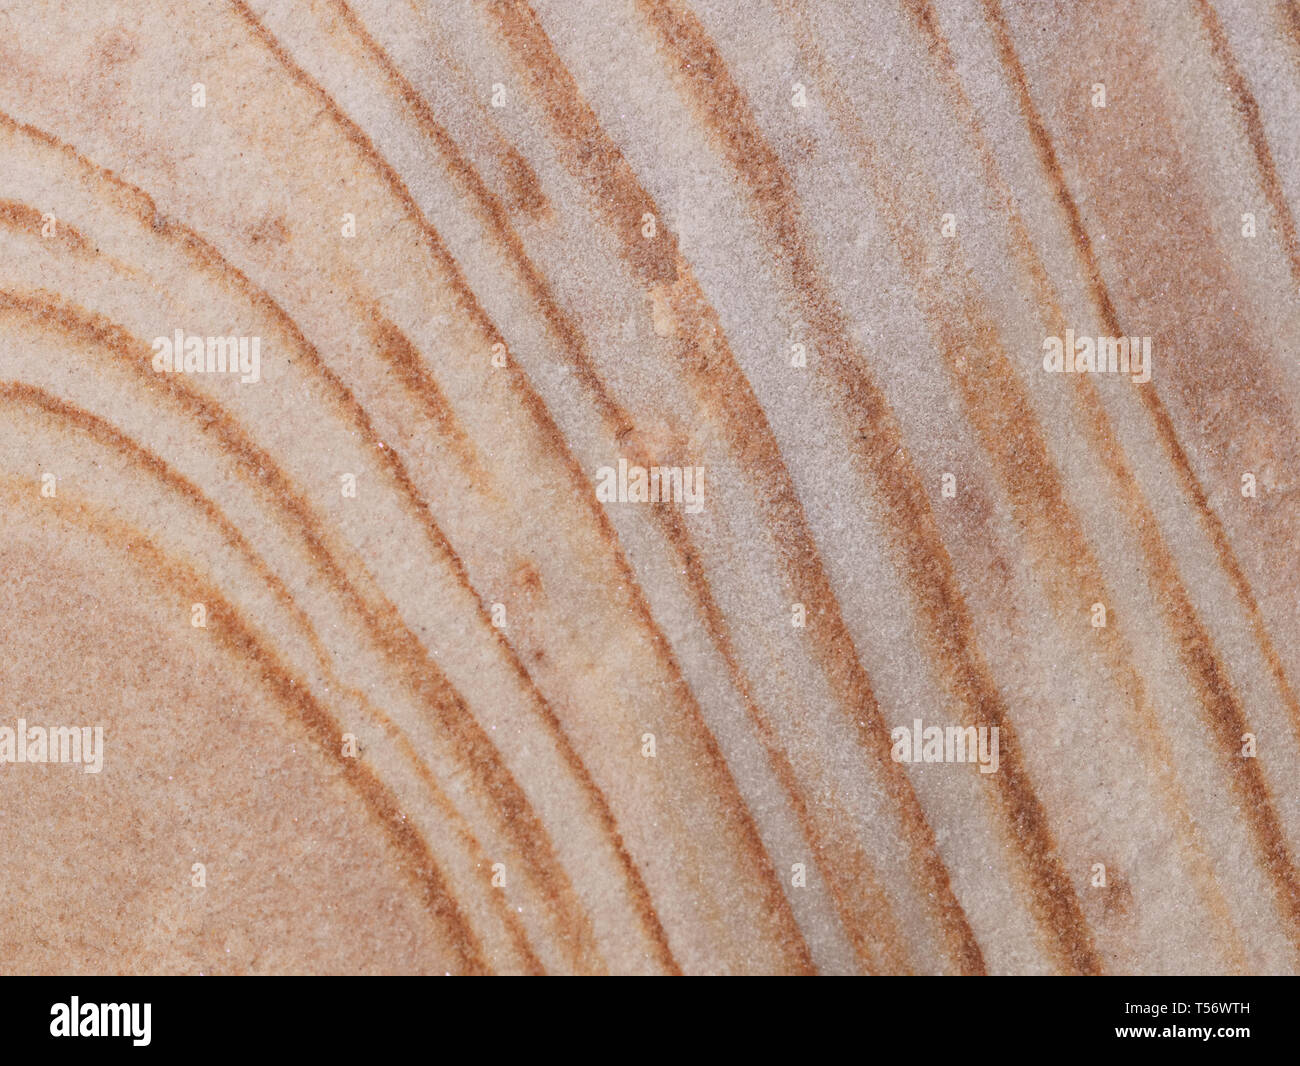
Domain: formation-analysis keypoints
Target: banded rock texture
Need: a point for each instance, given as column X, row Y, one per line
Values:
column 490, row 247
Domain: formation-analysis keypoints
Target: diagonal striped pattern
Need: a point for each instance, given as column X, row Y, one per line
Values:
column 492, row 247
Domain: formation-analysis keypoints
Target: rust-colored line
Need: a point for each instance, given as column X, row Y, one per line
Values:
column 705, row 357
column 237, row 634
column 380, row 616
column 876, row 919
column 111, row 438
column 1155, row 407
column 532, row 402
column 26, row 218
column 493, row 213
column 420, row 383
column 212, row 261
column 399, row 353
column 722, row 108
column 871, row 926
column 1227, row 718
column 1159, row 760
column 1289, row 15
column 999, row 408
column 1221, row 702
column 776, row 904
column 1247, row 107
column 524, row 193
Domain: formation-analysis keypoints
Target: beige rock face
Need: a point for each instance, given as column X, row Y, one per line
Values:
column 629, row 486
